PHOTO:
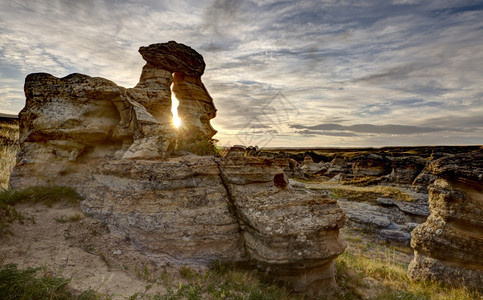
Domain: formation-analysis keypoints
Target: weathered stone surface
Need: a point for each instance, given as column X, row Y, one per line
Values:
column 286, row 233
column 448, row 245
column 196, row 210
column 79, row 116
column 112, row 145
column 423, row 180
column 406, row 168
column 418, row 208
column 196, row 107
column 82, row 111
column 371, row 165
column 176, row 209
column 153, row 92
column 290, row 167
column 309, row 168
column 339, row 166
column 174, row 57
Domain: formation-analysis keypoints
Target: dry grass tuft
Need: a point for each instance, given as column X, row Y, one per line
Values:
column 369, row 194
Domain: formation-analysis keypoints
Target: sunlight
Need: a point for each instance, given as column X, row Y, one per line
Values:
column 174, row 108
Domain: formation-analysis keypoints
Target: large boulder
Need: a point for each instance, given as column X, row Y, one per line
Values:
column 448, row 246
column 113, row 146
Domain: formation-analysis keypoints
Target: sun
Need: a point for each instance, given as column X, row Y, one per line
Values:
column 174, row 108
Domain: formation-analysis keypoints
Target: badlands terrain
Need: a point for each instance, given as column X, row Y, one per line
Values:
column 64, row 242
column 104, row 198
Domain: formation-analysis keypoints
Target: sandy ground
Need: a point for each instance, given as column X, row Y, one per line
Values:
column 83, row 250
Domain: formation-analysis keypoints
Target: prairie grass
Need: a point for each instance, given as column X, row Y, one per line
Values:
column 369, row 194
column 225, row 282
column 359, row 276
column 47, row 195
column 362, row 181
column 28, row 284
column 221, row 281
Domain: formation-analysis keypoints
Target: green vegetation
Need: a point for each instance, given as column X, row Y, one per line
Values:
column 200, row 146
column 47, row 195
column 359, row 276
column 369, row 194
column 74, row 218
column 224, row 282
column 362, row 181
column 27, row 284
column 221, row 281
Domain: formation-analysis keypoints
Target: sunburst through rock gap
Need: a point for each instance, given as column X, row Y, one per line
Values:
column 174, row 108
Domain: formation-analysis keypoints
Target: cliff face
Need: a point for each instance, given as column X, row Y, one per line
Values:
column 113, row 146
column 448, row 247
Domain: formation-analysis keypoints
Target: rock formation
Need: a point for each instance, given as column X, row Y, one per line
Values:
column 113, row 145
column 370, row 165
column 405, row 169
column 196, row 107
column 339, row 166
column 448, row 246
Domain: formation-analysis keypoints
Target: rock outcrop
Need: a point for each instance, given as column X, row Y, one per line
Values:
column 370, row 165
column 448, row 246
column 196, row 107
column 405, row 169
column 339, row 166
column 113, row 145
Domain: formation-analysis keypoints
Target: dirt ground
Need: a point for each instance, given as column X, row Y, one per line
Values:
column 79, row 248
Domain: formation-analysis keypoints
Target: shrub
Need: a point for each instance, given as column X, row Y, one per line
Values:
column 40, row 194
column 199, row 145
column 24, row 284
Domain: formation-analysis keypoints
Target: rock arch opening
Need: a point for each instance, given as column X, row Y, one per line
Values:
column 174, row 107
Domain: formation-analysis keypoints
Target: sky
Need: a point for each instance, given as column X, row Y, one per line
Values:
column 322, row 73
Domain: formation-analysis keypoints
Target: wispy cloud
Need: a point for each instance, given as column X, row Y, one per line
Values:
column 406, row 67
column 370, row 128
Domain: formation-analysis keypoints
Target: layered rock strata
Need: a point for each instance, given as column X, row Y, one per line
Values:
column 448, row 246
column 113, row 145
column 196, row 107
column 371, row 165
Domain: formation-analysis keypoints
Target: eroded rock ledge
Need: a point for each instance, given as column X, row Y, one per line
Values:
column 113, row 145
column 448, row 246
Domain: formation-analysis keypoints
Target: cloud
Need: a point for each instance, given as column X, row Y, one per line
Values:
column 327, row 133
column 370, row 128
column 369, row 63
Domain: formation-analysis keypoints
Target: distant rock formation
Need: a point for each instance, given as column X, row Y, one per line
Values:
column 371, row 165
column 448, row 247
column 113, row 146
column 405, row 169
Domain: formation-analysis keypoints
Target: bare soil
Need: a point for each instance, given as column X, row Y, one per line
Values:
column 83, row 250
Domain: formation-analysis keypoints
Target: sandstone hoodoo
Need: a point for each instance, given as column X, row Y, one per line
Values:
column 116, row 146
column 448, row 246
